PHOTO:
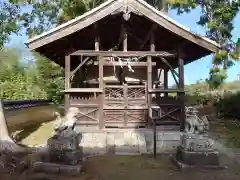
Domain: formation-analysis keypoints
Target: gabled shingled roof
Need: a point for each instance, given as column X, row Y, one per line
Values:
column 79, row 32
column 111, row 6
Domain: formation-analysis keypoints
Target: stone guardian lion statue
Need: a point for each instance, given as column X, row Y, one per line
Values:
column 195, row 124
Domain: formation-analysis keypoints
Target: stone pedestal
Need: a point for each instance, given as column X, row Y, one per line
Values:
column 196, row 143
column 196, row 151
column 64, row 148
column 197, row 159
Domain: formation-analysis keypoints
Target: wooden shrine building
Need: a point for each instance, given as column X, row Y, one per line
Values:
column 117, row 60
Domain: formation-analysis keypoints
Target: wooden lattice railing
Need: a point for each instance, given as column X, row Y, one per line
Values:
column 125, row 96
column 166, row 111
column 114, row 92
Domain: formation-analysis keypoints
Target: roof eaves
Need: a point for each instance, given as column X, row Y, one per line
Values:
column 177, row 24
column 69, row 23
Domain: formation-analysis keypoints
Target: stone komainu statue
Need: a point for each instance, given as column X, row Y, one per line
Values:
column 68, row 121
column 195, row 124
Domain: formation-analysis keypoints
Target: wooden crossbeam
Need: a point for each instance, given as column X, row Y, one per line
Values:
column 79, row 66
column 173, row 72
column 133, row 116
column 87, row 114
column 171, row 68
column 116, row 63
column 153, row 27
column 111, row 117
column 130, row 31
column 123, row 53
column 170, row 112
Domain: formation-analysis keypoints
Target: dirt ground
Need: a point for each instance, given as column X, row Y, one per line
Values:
column 140, row 168
column 137, row 167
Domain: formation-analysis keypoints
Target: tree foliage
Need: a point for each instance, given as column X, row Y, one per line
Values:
column 217, row 16
column 17, row 80
column 9, row 14
column 40, row 79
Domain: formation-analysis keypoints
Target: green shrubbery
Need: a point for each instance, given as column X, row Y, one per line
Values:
column 37, row 79
column 227, row 104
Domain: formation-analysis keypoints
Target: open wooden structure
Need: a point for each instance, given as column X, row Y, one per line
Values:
column 117, row 59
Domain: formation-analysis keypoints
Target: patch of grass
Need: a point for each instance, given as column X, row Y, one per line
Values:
column 147, row 168
column 36, row 136
column 144, row 168
column 227, row 130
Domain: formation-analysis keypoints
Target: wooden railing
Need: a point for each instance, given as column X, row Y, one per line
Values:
column 18, row 104
column 166, row 111
column 125, row 97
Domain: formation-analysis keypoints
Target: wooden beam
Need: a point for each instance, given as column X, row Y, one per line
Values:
column 122, row 53
column 153, row 27
column 159, row 74
column 171, row 68
column 173, row 72
column 131, row 32
column 174, row 77
column 166, row 91
column 125, row 38
column 165, row 76
column 116, row 63
column 181, row 87
column 181, row 72
column 101, row 83
column 97, row 38
column 152, row 42
column 149, row 77
column 119, row 40
column 83, row 90
column 101, row 96
column 79, row 66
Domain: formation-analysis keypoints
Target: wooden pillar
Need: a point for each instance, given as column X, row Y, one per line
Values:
column 165, row 76
column 181, row 73
column 101, row 95
column 67, row 81
column 125, row 87
column 125, row 38
column 181, row 94
column 97, row 40
column 152, row 48
column 101, row 84
column 149, row 74
column 152, row 42
column 149, row 62
column 149, row 77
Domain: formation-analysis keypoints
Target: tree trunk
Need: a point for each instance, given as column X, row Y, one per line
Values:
column 6, row 142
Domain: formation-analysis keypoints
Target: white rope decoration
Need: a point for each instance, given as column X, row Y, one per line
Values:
column 128, row 60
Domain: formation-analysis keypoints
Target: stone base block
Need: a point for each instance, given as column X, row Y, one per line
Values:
column 66, row 157
column 197, row 159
